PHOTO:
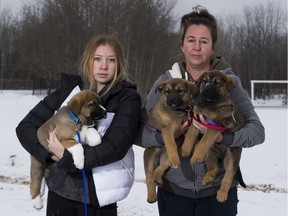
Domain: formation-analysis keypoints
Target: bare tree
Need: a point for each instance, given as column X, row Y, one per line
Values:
column 8, row 38
column 56, row 31
column 51, row 35
column 256, row 43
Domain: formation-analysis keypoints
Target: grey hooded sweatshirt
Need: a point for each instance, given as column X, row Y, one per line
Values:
column 186, row 180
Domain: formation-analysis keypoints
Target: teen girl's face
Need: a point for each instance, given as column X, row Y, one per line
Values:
column 197, row 47
column 104, row 65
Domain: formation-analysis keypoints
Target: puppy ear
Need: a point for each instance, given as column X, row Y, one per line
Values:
column 193, row 88
column 230, row 83
column 75, row 103
column 200, row 80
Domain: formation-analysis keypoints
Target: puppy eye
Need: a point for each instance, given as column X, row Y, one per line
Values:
column 167, row 90
column 92, row 105
column 217, row 82
column 181, row 91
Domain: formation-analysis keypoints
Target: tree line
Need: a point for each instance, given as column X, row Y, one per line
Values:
column 48, row 37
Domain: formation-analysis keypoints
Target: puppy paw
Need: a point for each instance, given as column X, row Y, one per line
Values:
column 174, row 162
column 186, row 149
column 197, row 158
column 157, row 179
column 207, row 179
column 37, row 202
column 77, row 152
column 221, row 196
column 152, row 198
column 185, row 153
column 93, row 138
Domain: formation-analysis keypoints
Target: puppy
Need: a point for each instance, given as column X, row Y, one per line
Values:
column 167, row 116
column 80, row 114
column 214, row 102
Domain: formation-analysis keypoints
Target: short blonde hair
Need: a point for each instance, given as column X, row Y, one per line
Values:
column 88, row 55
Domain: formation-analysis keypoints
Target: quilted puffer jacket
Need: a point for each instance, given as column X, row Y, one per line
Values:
column 64, row 179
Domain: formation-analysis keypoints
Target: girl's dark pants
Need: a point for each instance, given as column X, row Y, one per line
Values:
column 58, row 206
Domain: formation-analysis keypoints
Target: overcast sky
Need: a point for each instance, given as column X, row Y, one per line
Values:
column 220, row 6
column 184, row 6
column 216, row 7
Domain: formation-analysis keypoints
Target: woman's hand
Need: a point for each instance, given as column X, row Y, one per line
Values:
column 55, row 146
column 203, row 128
column 181, row 130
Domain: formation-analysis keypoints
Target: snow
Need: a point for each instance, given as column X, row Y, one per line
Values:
column 264, row 167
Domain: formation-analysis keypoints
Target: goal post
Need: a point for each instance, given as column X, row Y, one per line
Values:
column 268, row 89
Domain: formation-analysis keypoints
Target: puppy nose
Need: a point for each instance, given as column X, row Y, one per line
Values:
column 210, row 91
column 172, row 99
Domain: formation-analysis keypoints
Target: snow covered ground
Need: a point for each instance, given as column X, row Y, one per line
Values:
column 264, row 167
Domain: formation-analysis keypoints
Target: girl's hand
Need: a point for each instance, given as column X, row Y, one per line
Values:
column 203, row 129
column 53, row 157
column 55, row 146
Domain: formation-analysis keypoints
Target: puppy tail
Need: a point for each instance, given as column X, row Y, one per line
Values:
column 239, row 178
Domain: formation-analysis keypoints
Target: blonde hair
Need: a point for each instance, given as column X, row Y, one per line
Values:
column 88, row 55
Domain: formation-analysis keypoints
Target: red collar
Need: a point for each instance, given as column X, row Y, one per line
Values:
column 210, row 123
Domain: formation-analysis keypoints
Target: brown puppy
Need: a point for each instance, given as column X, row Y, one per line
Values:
column 85, row 109
column 167, row 116
column 214, row 102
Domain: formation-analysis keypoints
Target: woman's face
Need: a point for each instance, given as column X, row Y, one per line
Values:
column 197, row 47
column 104, row 65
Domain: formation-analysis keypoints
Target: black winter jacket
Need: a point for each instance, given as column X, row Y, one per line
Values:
column 65, row 179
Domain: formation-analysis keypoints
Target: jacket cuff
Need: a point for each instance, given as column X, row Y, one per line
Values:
column 67, row 162
column 228, row 138
column 49, row 160
column 159, row 138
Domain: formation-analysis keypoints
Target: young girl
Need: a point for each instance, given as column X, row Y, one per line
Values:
column 109, row 166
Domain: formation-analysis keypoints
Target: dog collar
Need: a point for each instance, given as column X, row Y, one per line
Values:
column 210, row 123
column 151, row 128
column 75, row 119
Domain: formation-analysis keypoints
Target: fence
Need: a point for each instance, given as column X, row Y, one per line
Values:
column 269, row 92
column 36, row 85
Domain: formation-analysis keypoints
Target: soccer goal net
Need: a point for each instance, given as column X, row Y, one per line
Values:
column 269, row 92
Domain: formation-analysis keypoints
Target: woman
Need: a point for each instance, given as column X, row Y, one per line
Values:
column 182, row 192
column 104, row 72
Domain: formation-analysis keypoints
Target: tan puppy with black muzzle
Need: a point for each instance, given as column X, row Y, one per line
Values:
column 214, row 102
column 169, row 113
column 80, row 114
